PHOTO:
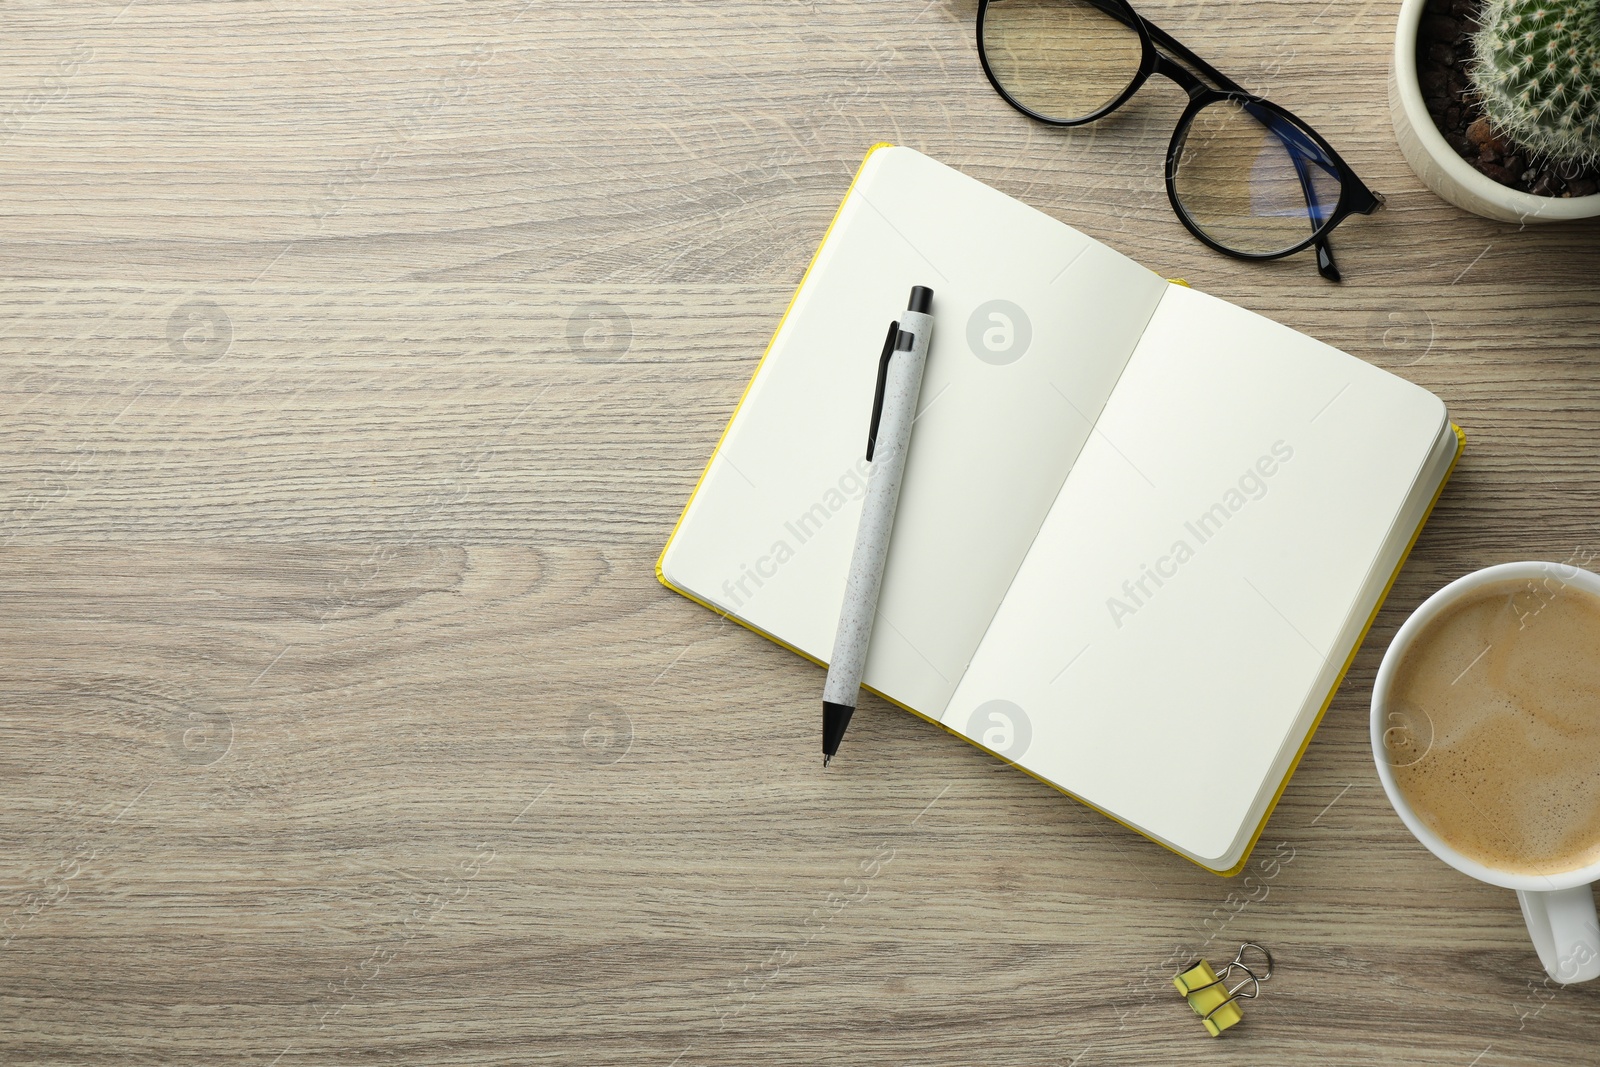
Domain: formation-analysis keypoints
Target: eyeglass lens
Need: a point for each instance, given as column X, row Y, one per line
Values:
column 1062, row 59
column 1251, row 179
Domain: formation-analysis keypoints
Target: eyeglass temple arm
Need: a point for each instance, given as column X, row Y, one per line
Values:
column 1325, row 262
column 1372, row 202
column 1326, row 266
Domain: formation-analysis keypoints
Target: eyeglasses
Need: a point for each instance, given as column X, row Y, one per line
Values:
column 1244, row 175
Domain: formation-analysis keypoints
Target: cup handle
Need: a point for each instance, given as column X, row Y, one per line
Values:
column 1565, row 931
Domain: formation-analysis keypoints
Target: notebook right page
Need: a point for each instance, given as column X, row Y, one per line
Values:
column 1193, row 576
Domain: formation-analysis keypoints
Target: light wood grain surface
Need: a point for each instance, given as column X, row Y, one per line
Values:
column 355, row 362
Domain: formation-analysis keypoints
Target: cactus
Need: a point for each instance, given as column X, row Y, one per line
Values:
column 1537, row 72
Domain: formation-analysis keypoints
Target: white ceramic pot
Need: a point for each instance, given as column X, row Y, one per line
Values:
column 1438, row 165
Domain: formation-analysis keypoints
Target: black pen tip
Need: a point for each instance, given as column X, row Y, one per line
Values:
column 835, row 717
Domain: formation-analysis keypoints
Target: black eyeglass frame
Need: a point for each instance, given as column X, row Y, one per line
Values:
column 1355, row 198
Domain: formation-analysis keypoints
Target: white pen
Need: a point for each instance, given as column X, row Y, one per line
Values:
column 894, row 408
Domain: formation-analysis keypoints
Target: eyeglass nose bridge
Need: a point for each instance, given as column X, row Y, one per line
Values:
column 1187, row 80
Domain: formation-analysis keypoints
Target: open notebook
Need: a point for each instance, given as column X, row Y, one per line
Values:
column 1141, row 532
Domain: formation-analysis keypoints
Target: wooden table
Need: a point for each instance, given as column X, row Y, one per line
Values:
column 354, row 366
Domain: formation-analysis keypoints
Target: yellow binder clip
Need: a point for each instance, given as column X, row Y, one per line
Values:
column 1208, row 993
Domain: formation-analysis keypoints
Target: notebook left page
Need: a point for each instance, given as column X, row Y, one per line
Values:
column 1034, row 323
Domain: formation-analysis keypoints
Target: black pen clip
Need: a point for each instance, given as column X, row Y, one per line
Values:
column 895, row 342
column 877, row 396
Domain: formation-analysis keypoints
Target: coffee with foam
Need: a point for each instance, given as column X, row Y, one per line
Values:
column 1494, row 732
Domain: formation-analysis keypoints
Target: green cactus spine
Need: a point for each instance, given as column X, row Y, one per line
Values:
column 1537, row 72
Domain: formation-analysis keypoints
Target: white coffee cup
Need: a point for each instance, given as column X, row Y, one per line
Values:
column 1559, row 908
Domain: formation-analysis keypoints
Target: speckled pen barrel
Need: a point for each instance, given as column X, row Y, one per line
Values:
column 902, row 385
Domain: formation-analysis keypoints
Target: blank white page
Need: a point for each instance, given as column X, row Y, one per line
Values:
column 1168, row 625
column 768, row 534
